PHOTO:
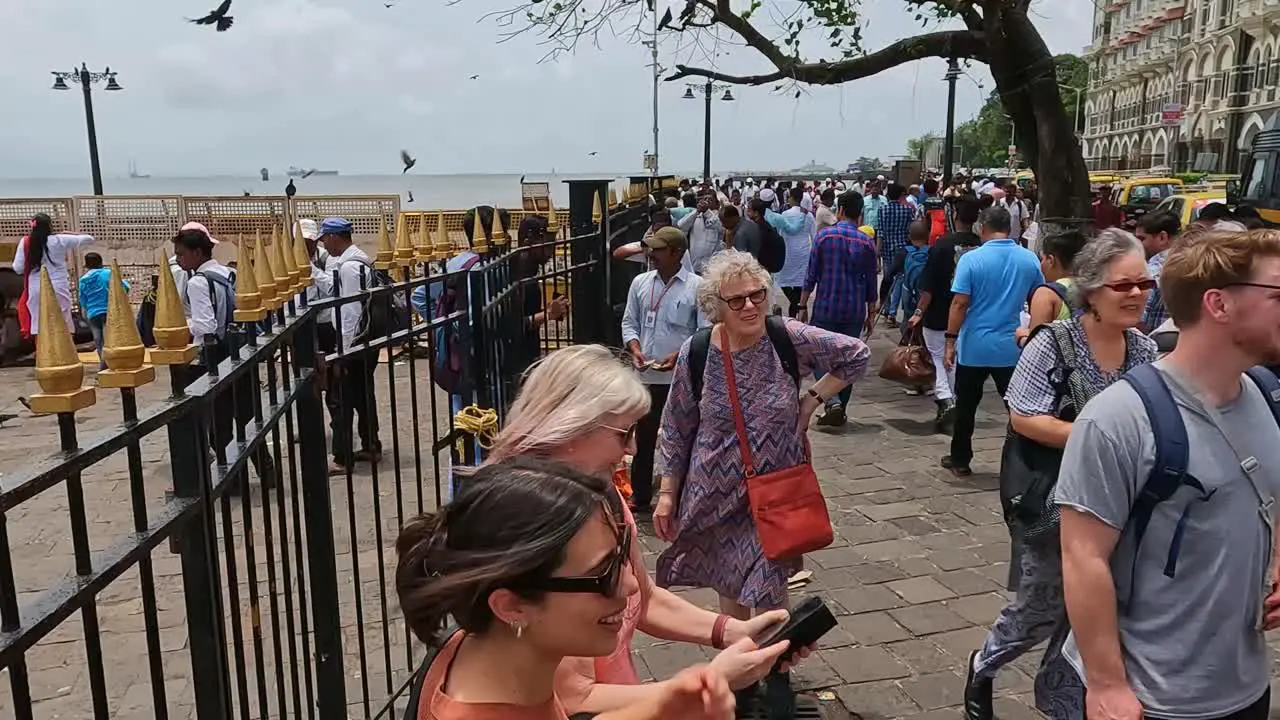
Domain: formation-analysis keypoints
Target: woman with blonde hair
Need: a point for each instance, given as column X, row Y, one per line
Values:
column 702, row 506
column 580, row 405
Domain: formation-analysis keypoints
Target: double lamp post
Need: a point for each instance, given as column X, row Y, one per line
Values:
column 708, row 89
column 86, row 80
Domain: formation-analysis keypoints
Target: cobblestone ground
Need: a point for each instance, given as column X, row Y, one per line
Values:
column 915, row 573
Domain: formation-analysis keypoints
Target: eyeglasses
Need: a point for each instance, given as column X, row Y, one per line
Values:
column 628, row 434
column 737, row 302
column 603, row 583
column 1264, row 286
column 1124, row 288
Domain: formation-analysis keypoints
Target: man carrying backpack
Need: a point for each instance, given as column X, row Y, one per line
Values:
column 1167, row 489
column 208, row 298
column 354, row 394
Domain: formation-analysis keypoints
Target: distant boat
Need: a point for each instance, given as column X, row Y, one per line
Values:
column 133, row 171
column 298, row 172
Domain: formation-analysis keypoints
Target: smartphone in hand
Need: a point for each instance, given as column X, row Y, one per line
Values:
column 809, row 621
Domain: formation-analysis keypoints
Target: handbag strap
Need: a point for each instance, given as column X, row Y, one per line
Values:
column 738, row 423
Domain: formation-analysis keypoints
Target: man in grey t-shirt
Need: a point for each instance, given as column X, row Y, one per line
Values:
column 1184, row 642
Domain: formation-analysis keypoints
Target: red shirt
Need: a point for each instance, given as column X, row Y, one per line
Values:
column 1106, row 215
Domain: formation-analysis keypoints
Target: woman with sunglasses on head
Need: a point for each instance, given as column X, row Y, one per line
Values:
column 531, row 562
column 1062, row 366
column 702, row 507
column 580, row 406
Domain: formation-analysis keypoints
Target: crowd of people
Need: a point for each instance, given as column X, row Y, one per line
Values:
column 1138, row 476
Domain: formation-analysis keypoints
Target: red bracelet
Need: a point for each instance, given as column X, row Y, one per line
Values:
column 717, row 632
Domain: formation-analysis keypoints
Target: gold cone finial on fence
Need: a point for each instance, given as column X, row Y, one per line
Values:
column 499, row 236
column 249, row 307
column 301, row 258
column 422, row 241
column 386, row 252
column 479, row 237
column 442, row 249
column 286, row 258
column 284, row 283
column 613, row 198
column 173, row 337
column 553, row 218
column 596, row 213
column 122, row 347
column 263, row 274
column 404, row 243
column 58, row 368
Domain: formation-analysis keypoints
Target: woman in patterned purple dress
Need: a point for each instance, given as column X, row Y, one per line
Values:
column 702, row 506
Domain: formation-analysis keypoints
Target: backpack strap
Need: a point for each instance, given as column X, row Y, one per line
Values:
column 1057, row 289
column 699, row 346
column 1269, row 384
column 420, row 675
column 227, row 283
column 1172, row 457
column 776, row 328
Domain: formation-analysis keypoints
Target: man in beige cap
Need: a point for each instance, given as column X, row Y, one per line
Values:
column 662, row 312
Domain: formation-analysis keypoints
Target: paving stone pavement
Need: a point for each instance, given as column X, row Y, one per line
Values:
column 915, row 573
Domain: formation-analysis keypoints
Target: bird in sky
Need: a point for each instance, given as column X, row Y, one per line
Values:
column 308, row 173
column 218, row 17
column 387, row 5
column 593, row 153
column 410, row 196
column 408, row 161
column 475, row 77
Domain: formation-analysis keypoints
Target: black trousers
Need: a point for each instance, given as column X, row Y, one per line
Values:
column 646, row 447
column 970, row 380
column 232, row 410
column 351, row 394
column 792, row 294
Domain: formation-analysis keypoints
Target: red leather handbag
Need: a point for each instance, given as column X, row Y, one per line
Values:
column 787, row 505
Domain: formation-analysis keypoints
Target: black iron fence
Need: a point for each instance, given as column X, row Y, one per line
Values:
column 257, row 584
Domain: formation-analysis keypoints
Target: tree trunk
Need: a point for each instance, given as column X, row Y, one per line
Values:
column 1026, row 77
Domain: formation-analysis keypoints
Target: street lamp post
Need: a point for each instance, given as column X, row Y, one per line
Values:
column 707, row 89
column 1075, row 121
column 948, row 152
column 86, row 80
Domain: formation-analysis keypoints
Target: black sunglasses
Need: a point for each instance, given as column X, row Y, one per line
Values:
column 737, row 302
column 605, row 583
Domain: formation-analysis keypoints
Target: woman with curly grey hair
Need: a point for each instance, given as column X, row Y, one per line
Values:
column 1064, row 364
column 702, row 507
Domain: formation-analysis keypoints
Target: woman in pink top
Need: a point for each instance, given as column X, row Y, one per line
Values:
column 531, row 562
column 580, row 405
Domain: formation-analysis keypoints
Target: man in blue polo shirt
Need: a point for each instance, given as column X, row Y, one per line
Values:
column 991, row 285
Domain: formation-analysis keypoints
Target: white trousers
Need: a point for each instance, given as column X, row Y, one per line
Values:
column 935, row 341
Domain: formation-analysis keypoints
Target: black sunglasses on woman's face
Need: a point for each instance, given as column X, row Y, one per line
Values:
column 737, row 302
column 603, row 583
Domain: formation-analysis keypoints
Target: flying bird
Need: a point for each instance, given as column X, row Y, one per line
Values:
column 218, row 17
column 475, row 77
column 408, row 161
column 387, row 5
column 593, row 153
column 307, row 173
column 410, row 196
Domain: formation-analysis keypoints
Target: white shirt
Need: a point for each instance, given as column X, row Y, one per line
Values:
column 205, row 310
column 1016, row 212
column 706, row 238
column 55, row 260
column 352, row 265
column 179, row 275
column 322, row 267
column 661, row 317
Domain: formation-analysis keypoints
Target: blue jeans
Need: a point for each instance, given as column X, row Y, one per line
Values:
column 852, row 328
column 895, row 298
column 97, row 326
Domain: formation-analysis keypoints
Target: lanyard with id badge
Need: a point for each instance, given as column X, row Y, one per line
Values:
column 1250, row 467
column 651, row 313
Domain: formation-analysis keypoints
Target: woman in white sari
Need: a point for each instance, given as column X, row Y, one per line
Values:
column 44, row 248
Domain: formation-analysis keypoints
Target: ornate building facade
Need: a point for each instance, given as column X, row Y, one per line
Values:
column 1214, row 62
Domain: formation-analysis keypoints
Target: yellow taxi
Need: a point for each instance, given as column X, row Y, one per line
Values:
column 1138, row 196
column 1187, row 206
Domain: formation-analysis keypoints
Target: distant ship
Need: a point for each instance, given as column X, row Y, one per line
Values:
column 814, row 168
column 133, row 171
column 298, row 172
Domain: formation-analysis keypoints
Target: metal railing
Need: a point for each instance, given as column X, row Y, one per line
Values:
column 219, row 597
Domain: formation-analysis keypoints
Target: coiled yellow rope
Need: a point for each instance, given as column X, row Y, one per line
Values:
column 481, row 423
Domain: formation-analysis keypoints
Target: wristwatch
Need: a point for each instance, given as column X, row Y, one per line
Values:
column 950, row 336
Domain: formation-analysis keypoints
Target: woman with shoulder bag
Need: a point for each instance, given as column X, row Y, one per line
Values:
column 1063, row 365
column 733, row 434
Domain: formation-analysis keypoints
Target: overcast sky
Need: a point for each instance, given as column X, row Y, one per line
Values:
column 345, row 84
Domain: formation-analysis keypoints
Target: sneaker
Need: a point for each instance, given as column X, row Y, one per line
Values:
column 957, row 470
column 833, row 417
column 977, row 694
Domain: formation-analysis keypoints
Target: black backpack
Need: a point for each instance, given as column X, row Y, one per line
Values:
column 386, row 313
column 774, row 326
column 450, row 366
column 773, row 249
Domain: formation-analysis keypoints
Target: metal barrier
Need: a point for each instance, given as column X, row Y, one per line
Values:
column 221, row 597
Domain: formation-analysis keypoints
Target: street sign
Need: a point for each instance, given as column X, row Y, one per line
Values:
column 1013, row 150
column 1171, row 116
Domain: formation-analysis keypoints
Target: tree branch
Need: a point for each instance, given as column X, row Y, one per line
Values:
column 958, row 44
